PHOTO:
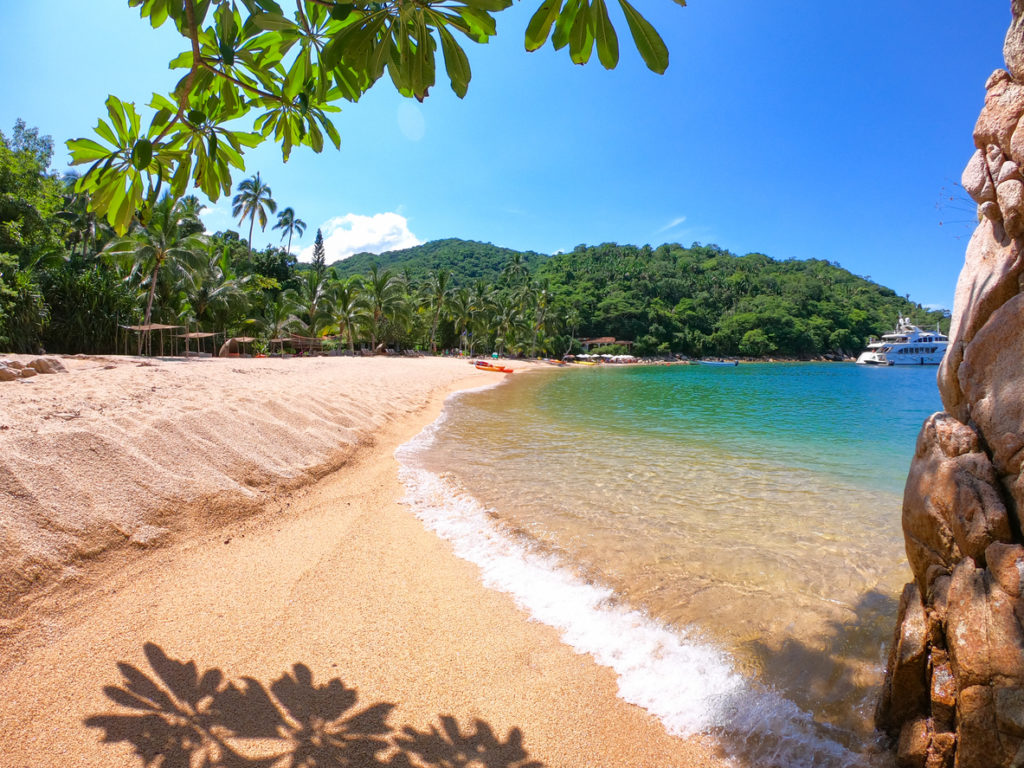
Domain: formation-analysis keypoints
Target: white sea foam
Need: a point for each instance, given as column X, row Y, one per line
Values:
column 690, row 685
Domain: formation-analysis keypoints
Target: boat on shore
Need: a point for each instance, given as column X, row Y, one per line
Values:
column 907, row 345
column 482, row 365
column 719, row 363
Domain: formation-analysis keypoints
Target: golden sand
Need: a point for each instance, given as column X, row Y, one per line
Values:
column 244, row 515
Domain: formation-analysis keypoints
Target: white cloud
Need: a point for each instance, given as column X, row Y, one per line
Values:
column 672, row 224
column 350, row 234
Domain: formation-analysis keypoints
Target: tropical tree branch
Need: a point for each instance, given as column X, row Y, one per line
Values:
column 295, row 70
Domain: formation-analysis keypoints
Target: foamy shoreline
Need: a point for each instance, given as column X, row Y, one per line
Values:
column 338, row 578
column 689, row 684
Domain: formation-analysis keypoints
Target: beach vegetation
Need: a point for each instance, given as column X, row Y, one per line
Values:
column 253, row 201
column 170, row 244
column 254, row 71
column 68, row 283
column 290, row 224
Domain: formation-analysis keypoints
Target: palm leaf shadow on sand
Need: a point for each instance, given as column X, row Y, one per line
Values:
column 838, row 678
column 176, row 717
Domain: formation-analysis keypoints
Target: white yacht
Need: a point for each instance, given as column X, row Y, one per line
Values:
column 907, row 345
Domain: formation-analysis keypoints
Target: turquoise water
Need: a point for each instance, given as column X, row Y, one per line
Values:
column 857, row 423
column 753, row 511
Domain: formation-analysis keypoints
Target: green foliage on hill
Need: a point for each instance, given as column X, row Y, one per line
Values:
column 700, row 300
column 467, row 260
column 704, row 300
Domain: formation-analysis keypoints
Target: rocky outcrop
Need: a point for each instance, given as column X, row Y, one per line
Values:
column 954, row 689
column 13, row 370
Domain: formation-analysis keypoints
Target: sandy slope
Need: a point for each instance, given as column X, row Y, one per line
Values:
column 282, row 591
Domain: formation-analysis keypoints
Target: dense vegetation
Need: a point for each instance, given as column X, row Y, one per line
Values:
column 467, row 260
column 68, row 283
column 704, row 300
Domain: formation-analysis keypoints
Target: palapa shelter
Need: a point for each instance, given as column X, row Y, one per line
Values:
column 604, row 341
column 301, row 344
column 235, row 346
column 146, row 336
column 199, row 336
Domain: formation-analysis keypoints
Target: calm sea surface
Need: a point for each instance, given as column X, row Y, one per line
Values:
column 743, row 523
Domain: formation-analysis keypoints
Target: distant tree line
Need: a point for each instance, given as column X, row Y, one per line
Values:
column 703, row 300
column 69, row 284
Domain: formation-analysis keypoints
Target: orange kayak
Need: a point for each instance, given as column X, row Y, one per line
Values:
column 495, row 368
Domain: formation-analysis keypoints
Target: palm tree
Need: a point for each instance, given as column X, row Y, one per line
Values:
column 437, row 295
column 349, row 308
column 541, row 303
column 516, row 271
column 287, row 222
column 84, row 227
column 507, row 322
column 169, row 240
column 385, row 293
column 191, row 208
column 278, row 316
column 481, row 302
column 312, row 297
column 253, row 199
column 460, row 308
column 213, row 291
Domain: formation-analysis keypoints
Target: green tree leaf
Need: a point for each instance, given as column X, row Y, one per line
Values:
column 564, row 23
column 648, row 42
column 142, row 154
column 604, row 34
column 456, row 62
column 272, row 21
column 581, row 36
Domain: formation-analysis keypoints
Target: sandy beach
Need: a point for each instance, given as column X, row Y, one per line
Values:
column 209, row 560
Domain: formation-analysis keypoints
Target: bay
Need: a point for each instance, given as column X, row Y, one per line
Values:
column 752, row 510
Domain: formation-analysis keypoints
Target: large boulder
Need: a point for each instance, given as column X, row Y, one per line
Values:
column 47, row 365
column 952, row 506
column 1006, row 564
column 906, row 691
column 964, row 496
column 991, row 377
column 1013, row 45
column 988, row 280
column 976, row 179
column 1004, row 105
column 984, row 636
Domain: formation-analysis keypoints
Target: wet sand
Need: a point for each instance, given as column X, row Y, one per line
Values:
column 323, row 621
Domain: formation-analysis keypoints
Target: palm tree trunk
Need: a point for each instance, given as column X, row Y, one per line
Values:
column 252, row 223
column 433, row 333
column 289, row 239
column 149, row 303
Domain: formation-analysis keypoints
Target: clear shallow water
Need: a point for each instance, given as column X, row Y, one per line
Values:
column 727, row 539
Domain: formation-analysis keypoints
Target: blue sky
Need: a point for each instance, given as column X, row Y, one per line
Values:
column 795, row 129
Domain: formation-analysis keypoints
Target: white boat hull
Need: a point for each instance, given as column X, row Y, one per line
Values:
column 908, row 345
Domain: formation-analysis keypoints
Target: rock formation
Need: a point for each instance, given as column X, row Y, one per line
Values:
column 13, row 370
column 954, row 688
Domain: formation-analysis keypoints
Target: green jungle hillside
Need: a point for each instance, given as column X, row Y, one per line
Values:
column 697, row 300
column 467, row 260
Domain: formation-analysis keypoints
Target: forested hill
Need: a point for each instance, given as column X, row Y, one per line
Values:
column 696, row 300
column 705, row 300
column 467, row 260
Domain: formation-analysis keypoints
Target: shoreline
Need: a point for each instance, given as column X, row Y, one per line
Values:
column 349, row 584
